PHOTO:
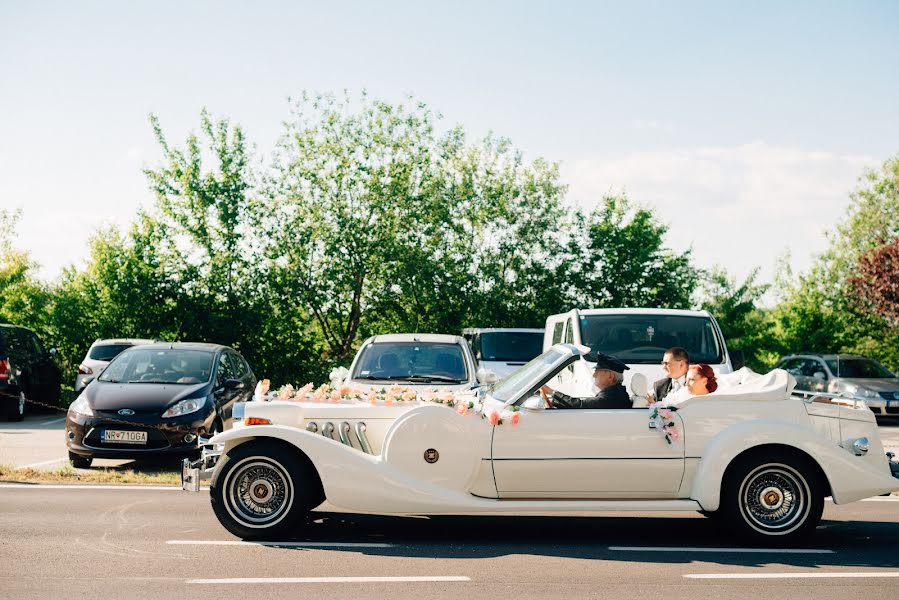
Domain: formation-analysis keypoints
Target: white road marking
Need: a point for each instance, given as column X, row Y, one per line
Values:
column 280, row 544
column 44, row 486
column 52, row 421
column 843, row 574
column 258, row 580
column 41, row 464
column 724, row 550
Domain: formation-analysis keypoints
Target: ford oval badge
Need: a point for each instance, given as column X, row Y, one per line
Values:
column 127, row 412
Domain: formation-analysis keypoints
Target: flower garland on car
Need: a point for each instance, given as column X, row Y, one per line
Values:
column 663, row 420
column 388, row 396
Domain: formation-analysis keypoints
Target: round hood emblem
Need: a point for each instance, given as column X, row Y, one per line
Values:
column 126, row 412
column 431, row 456
column 896, row 395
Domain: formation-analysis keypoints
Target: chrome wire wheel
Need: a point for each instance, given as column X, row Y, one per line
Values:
column 258, row 492
column 774, row 499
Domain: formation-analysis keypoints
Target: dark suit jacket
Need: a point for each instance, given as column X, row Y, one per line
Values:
column 662, row 388
column 614, row 396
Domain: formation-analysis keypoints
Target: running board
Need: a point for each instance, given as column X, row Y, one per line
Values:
column 591, row 505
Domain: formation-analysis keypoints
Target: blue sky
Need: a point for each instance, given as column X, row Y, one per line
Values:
column 753, row 120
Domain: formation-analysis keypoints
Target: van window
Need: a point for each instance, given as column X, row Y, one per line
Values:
column 511, row 346
column 643, row 339
column 557, row 333
column 569, row 335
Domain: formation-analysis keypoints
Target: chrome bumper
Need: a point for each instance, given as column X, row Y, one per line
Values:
column 193, row 472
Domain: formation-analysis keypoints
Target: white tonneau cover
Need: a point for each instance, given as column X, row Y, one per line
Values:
column 747, row 385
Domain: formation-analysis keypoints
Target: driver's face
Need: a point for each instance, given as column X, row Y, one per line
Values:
column 673, row 368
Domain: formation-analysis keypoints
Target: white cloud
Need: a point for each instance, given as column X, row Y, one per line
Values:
column 737, row 206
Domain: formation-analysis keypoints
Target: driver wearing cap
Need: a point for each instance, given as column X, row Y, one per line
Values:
column 608, row 376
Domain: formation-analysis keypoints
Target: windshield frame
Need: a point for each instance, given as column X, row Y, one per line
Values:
column 721, row 348
column 126, row 354
column 357, row 375
column 525, row 381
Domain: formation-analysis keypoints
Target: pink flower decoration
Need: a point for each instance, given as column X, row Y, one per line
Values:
column 513, row 420
column 372, row 396
column 446, row 397
column 665, row 414
column 462, row 408
column 344, row 390
column 428, row 395
column 335, row 396
column 409, row 395
column 303, row 392
column 493, row 417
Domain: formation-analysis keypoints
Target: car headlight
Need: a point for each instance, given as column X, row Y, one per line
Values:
column 81, row 407
column 185, row 407
column 865, row 393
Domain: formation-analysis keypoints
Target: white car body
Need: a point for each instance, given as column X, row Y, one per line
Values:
column 377, row 459
column 577, row 380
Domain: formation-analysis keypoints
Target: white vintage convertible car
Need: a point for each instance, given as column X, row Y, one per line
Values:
column 750, row 453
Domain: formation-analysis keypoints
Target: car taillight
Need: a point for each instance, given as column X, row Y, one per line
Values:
column 84, row 370
column 4, row 369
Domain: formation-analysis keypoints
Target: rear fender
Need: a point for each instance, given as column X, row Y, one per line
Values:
column 849, row 477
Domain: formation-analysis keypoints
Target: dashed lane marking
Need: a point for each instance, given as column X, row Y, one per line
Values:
column 41, row 464
column 280, row 544
column 263, row 580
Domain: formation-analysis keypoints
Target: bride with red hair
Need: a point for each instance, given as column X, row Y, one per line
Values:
column 701, row 380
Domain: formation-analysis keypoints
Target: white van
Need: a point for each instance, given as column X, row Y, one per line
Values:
column 502, row 350
column 638, row 337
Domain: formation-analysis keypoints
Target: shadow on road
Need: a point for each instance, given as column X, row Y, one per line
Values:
column 858, row 543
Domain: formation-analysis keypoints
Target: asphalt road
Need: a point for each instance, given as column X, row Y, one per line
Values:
column 153, row 543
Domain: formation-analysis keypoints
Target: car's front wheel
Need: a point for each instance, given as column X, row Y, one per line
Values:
column 264, row 490
column 773, row 496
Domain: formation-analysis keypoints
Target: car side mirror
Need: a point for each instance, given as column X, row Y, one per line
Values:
column 233, row 384
column 820, row 375
column 485, row 376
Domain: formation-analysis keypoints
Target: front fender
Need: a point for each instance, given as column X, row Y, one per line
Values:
column 849, row 477
column 352, row 479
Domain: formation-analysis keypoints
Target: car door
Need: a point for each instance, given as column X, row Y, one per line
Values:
column 238, row 369
column 585, row 453
column 44, row 372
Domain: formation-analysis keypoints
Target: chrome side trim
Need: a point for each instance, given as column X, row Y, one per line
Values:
column 344, row 433
column 328, row 430
column 363, row 439
column 312, row 426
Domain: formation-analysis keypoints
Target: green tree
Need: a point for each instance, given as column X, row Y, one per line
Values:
column 744, row 324
column 621, row 260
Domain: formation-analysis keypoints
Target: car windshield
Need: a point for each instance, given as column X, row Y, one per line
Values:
column 533, row 373
column 159, row 365
column 416, row 362
column 107, row 352
column 511, row 346
column 643, row 339
column 860, row 368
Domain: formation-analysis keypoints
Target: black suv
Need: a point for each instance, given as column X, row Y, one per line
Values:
column 27, row 370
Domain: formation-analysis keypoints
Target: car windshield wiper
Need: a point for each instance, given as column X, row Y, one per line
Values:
column 382, row 377
column 427, row 378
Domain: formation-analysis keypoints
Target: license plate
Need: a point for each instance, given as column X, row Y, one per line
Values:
column 124, row 437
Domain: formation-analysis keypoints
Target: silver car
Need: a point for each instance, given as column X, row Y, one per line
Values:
column 99, row 355
column 848, row 375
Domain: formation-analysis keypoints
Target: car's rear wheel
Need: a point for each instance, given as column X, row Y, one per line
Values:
column 264, row 490
column 80, row 462
column 773, row 496
column 16, row 409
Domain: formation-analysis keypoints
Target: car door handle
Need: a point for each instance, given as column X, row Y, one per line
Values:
column 652, row 425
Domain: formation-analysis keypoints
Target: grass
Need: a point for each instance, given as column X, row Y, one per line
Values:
column 68, row 474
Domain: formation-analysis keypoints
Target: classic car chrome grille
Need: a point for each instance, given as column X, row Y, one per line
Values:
column 344, row 433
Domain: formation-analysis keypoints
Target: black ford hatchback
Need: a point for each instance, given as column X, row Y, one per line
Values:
column 156, row 400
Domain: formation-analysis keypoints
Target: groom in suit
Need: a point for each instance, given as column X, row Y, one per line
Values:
column 675, row 364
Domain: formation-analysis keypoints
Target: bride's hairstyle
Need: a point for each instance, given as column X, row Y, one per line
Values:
column 706, row 371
